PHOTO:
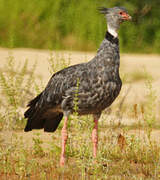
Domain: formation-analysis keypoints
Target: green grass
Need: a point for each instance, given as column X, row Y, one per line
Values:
column 36, row 155
column 76, row 26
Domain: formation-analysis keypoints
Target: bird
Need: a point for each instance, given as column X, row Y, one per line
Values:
column 94, row 84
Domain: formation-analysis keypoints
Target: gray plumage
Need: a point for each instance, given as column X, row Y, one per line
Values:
column 94, row 85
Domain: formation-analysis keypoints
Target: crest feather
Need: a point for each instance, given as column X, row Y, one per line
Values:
column 103, row 10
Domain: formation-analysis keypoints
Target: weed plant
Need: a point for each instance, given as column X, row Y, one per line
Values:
column 16, row 83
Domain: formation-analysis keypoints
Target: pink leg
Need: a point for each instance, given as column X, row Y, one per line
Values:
column 95, row 138
column 64, row 140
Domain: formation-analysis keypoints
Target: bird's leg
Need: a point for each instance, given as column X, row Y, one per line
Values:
column 64, row 140
column 95, row 137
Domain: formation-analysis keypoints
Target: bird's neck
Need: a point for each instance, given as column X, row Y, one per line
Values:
column 112, row 31
column 111, row 38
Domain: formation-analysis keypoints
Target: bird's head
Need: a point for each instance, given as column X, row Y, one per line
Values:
column 115, row 16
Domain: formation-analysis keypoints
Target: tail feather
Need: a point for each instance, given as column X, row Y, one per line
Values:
column 38, row 118
column 52, row 123
column 29, row 113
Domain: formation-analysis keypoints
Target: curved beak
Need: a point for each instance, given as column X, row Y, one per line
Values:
column 127, row 17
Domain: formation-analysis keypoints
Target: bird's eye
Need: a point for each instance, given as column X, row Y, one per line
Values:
column 121, row 12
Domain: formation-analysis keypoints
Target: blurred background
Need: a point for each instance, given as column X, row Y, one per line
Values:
column 77, row 25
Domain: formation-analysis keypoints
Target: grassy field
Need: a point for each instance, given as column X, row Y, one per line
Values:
column 129, row 131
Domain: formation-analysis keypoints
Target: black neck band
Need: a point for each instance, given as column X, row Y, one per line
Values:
column 111, row 38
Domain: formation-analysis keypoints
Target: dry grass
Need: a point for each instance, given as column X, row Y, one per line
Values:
column 128, row 131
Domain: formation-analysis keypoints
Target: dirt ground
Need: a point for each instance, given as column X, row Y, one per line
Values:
column 129, row 63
